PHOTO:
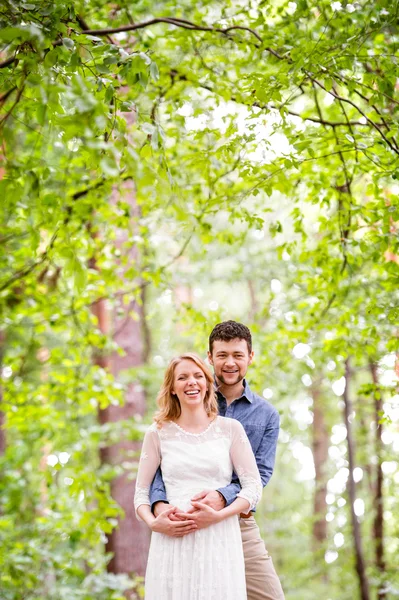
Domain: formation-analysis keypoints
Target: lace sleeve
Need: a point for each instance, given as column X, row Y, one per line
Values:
column 150, row 459
column 244, row 464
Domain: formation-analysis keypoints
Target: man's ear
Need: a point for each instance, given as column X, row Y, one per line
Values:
column 210, row 357
column 251, row 356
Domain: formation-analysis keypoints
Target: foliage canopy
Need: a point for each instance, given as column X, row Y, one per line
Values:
column 261, row 140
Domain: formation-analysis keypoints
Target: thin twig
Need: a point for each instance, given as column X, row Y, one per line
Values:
column 9, row 112
column 4, row 97
column 348, row 101
column 183, row 23
column 27, row 270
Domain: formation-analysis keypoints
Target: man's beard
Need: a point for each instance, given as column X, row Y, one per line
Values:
column 222, row 380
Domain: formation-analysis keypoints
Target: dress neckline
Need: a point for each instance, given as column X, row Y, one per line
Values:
column 195, row 434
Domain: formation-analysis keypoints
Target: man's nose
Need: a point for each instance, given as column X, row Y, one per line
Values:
column 229, row 360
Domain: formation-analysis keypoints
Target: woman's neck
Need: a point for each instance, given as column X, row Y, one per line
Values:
column 194, row 419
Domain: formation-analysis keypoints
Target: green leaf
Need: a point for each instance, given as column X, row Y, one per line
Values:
column 68, row 43
column 154, row 71
column 328, row 83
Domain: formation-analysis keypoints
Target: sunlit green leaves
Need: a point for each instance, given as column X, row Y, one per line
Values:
column 248, row 162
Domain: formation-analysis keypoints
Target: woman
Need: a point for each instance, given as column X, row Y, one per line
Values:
column 197, row 450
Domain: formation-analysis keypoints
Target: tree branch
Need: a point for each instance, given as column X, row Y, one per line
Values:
column 27, row 270
column 348, row 101
column 320, row 121
column 358, row 545
column 183, row 23
column 4, row 97
column 171, row 21
column 8, row 62
column 9, row 112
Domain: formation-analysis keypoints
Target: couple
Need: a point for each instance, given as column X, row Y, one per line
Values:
column 205, row 543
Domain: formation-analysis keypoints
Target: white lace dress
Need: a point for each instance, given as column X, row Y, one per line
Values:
column 207, row 564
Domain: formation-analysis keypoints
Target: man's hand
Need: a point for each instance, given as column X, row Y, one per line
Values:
column 211, row 498
column 202, row 515
column 174, row 528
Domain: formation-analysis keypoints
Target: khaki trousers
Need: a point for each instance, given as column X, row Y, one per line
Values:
column 261, row 577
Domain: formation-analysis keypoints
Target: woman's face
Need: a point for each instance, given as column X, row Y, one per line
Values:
column 189, row 383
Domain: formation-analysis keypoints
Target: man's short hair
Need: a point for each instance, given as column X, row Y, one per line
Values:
column 230, row 330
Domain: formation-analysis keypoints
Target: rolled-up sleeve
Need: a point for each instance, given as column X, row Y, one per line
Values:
column 157, row 489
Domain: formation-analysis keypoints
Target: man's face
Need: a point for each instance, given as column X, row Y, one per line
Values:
column 230, row 360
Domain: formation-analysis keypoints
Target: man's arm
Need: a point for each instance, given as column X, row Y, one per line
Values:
column 230, row 492
column 157, row 490
column 265, row 457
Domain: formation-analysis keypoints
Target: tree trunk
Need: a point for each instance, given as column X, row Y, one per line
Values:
column 2, row 430
column 2, row 415
column 320, row 455
column 253, row 306
column 146, row 332
column 360, row 563
column 129, row 542
column 378, row 525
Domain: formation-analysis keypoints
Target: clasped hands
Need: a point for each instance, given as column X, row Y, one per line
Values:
column 171, row 521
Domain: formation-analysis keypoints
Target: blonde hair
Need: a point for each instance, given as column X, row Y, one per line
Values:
column 169, row 407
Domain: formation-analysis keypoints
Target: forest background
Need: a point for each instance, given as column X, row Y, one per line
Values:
column 165, row 166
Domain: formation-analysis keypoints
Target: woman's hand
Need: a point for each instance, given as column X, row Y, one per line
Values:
column 202, row 515
column 163, row 524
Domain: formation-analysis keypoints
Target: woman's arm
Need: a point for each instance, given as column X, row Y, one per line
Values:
column 245, row 466
column 150, row 460
column 145, row 514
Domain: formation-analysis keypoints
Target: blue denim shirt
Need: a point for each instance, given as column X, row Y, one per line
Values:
column 261, row 422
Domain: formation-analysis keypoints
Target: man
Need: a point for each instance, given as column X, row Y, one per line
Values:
column 230, row 353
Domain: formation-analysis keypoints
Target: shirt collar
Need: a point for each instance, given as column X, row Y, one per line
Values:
column 247, row 393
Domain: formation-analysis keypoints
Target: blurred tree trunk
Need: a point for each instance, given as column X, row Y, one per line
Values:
column 2, row 431
column 253, row 305
column 357, row 540
column 320, row 455
column 378, row 525
column 2, row 415
column 183, row 294
column 129, row 542
column 146, row 332
column 2, row 344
